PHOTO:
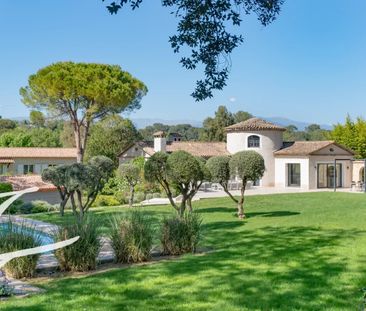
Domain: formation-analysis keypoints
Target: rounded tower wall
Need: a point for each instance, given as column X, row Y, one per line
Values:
column 269, row 141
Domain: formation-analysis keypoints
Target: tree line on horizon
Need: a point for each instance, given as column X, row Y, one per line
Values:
column 42, row 131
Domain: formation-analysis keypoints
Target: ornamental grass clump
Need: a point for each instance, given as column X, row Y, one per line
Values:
column 132, row 237
column 13, row 238
column 180, row 235
column 82, row 255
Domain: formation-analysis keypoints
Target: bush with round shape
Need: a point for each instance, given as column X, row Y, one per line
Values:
column 106, row 200
column 15, row 238
column 139, row 197
column 180, row 235
column 82, row 255
column 132, row 237
column 149, row 196
column 248, row 166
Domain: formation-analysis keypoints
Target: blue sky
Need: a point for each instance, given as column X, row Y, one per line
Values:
column 309, row 65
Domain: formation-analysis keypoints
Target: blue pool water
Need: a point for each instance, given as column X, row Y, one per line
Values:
column 45, row 238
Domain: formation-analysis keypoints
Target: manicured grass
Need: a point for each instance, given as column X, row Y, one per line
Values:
column 294, row 252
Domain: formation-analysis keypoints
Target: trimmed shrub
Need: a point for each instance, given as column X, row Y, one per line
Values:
column 132, row 237
column 106, row 200
column 121, row 197
column 139, row 197
column 6, row 290
column 157, row 195
column 149, row 196
column 16, row 238
column 82, row 255
column 180, row 235
column 36, row 206
column 5, row 187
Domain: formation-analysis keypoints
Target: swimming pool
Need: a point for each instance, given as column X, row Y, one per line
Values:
column 45, row 238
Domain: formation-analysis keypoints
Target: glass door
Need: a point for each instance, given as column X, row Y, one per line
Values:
column 322, row 176
column 326, row 175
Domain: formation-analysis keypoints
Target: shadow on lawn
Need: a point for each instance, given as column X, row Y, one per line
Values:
column 272, row 268
column 272, row 214
column 250, row 214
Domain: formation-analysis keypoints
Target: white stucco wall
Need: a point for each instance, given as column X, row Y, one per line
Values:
column 270, row 141
column 40, row 164
column 357, row 167
column 159, row 144
column 132, row 153
column 281, row 175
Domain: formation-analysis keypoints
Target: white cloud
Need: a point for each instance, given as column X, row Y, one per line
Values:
column 232, row 99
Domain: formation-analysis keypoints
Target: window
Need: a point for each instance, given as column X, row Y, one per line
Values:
column 28, row 169
column 293, row 175
column 253, row 141
column 3, row 169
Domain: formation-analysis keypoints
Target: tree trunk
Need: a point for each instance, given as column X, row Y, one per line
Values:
column 183, row 204
column 132, row 195
column 80, row 204
column 73, row 205
column 241, row 214
column 80, row 138
column 189, row 204
column 62, row 207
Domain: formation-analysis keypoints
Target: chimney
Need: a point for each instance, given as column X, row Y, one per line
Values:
column 159, row 141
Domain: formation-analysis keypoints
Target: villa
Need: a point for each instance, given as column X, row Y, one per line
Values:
column 22, row 167
column 302, row 164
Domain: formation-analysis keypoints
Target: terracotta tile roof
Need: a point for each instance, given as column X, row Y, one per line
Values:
column 197, row 148
column 254, row 124
column 30, row 152
column 27, row 181
column 307, row 147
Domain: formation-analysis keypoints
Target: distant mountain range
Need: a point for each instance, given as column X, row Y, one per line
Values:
column 141, row 123
column 299, row 124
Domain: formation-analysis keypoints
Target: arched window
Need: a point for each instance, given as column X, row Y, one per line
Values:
column 253, row 141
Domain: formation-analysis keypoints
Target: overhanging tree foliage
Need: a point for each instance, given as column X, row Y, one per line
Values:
column 205, row 29
column 82, row 93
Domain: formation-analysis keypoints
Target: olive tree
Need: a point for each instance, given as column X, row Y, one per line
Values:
column 180, row 171
column 220, row 172
column 131, row 173
column 82, row 93
column 203, row 175
column 81, row 183
column 246, row 165
column 57, row 176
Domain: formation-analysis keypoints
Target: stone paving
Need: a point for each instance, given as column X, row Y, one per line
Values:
column 250, row 191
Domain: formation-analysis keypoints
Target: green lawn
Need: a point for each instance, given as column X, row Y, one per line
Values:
column 294, row 252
